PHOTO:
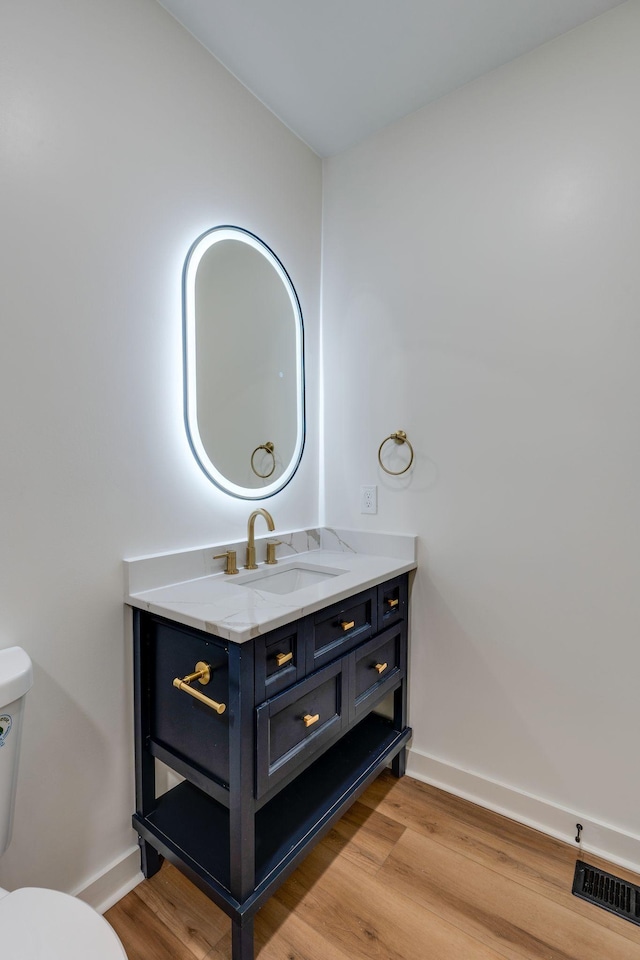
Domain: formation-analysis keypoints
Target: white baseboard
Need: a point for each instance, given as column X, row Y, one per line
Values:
column 113, row 883
column 599, row 839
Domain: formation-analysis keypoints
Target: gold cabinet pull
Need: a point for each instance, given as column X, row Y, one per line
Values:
column 282, row 658
column 202, row 674
column 393, row 602
column 347, row 624
column 380, row 667
column 309, row 720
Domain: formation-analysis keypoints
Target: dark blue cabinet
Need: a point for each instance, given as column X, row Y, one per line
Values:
column 297, row 743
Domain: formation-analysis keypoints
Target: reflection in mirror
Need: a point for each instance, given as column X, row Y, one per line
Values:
column 244, row 367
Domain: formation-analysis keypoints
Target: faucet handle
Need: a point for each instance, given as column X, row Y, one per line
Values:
column 271, row 550
column 230, row 557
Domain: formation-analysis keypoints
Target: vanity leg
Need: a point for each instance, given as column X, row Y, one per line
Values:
column 145, row 770
column 242, row 840
column 399, row 762
column 150, row 859
column 242, row 939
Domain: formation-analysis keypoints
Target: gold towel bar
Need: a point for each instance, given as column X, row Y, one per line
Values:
column 202, row 673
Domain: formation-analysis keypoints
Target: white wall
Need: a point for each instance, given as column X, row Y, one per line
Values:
column 481, row 292
column 121, row 140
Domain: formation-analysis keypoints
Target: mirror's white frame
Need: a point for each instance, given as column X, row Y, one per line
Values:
column 194, row 256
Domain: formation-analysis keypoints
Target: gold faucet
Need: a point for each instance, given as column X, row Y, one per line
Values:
column 250, row 563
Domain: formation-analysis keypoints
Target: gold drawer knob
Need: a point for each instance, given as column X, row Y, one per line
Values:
column 381, row 667
column 282, row 658
column 393, row 602
column 347, row 625
column 309, row 720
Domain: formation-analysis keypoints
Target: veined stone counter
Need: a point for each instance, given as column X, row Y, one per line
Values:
column 189, row 586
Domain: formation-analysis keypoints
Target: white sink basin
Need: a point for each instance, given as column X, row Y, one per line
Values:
column 288, row 579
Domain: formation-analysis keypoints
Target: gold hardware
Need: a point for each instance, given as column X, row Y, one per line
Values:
column 202, row 673
column 309, row 720
column 282, row 658
column 181, row 685
column 271, row 550
column 347, row 624
column 230, row 557
column 250, row 563
column 393, row 603
column 380, row 667
column 268, row 446
column 399, row 437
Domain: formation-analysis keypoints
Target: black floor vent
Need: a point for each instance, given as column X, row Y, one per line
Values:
column 615, row 895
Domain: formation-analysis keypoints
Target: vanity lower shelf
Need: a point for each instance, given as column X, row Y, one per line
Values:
column 192, row 829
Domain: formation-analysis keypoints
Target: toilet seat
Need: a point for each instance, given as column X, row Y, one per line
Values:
column 37, row 924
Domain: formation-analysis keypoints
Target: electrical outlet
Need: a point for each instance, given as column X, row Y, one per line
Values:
column 368, row 499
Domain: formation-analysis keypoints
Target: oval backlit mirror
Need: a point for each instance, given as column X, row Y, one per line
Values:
column 244, row 363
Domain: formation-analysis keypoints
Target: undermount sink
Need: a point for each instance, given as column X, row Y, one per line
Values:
column 293, row 577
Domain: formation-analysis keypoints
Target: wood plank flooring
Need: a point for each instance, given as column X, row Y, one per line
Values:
column 409, row 873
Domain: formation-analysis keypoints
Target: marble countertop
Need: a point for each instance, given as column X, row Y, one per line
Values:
column 189, row 586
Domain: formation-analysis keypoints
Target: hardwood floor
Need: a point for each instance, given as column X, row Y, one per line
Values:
column 409, row 873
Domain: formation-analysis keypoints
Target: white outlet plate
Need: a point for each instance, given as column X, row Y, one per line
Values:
column 369, row 499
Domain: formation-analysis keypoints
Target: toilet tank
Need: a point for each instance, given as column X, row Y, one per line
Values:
column 16, row 678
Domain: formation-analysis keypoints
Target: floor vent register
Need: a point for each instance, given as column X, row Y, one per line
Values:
column 606, row 891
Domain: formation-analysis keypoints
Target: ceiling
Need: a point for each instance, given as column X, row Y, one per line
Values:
column 335, row 71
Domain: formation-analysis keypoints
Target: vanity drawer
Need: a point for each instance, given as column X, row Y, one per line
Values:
column 340, row 627
column 279, row 660
column 377, row 667
column 294, row 726
column 180, row 723
column 392, row 601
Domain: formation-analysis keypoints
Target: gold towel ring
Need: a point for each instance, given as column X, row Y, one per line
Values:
column 399, row 437
column 268, row 446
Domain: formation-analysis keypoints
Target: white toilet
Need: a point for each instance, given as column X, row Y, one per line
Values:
column 37, row 924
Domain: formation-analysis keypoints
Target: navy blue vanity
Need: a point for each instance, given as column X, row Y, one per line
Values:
column 280, row 737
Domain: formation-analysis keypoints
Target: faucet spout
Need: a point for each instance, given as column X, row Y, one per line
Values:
column 250, row 563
